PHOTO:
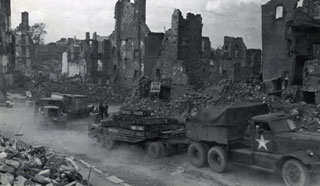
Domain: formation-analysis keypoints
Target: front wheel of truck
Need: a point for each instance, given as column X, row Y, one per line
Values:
column 197, row 153
column 217, row 159
column 294, row 173
column 156, row 150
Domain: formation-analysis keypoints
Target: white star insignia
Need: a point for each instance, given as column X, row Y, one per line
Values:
column 262, row 143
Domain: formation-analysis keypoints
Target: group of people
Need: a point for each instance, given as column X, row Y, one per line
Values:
column 103, row 110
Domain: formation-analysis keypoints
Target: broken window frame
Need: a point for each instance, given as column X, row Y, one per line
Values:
column 279, row 10
column 299, row 3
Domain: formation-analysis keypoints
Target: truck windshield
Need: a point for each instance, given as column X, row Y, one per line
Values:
column 284, row 125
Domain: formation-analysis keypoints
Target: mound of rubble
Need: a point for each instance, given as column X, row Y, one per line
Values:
column 225, row 93
column 24, row 165
column 41, row 85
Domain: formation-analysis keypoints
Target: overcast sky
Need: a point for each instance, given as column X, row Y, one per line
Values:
column 69, row 18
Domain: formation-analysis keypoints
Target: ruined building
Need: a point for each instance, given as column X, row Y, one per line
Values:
column 128, row 42
column 24, row 44
column 7, row 49
column 290, row 39
column 235, row 61
column 90, row 58
column 180, row 55
column 98, row 57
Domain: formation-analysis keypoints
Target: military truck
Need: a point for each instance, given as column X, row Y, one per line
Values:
column 76, row 106
column 246, row 134
column 50, row 116
column 161, row 136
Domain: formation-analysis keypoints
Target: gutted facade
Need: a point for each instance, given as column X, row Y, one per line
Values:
column 24, row 44
column 97, row 53
column 7, row 49
column 127, row 42
column 235, row 62
column 290, row 39
column 180, row 55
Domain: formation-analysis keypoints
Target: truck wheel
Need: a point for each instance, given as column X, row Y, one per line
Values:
column 108, row 143
column 197, row 153
column 217, row 159
column 99, row 138
column 295, row 173
column 156, row 150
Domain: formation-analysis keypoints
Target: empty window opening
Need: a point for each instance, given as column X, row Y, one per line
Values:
column 158, row 74
column 165, row 93
column 136, row 74
column 115, row 68
column 298, row 70
column 300, row 3
column 309, row 97
column 279, row 12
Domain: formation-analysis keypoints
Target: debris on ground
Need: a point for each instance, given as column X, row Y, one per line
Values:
column 225, row 93
column 24, row 165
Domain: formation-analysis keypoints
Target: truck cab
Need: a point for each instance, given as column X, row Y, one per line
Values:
column 274, row 143
column 247, row 134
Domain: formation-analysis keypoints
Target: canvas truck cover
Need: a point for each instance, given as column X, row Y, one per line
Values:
column 223, row 124
column 231, row 114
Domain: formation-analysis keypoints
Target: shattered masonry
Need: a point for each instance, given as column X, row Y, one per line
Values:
column 24, row 44
column 128, row 42
column 235, row 62
column 290, row 38
column 181, row 54
column 7, row 51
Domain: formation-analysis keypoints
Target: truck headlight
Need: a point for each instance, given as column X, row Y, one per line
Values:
column 141, row 128
column 310, row 153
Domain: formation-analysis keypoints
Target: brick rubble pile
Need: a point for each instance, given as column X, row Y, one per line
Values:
column 24, row 165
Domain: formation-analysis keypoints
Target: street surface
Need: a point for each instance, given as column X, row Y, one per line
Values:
column 127, row 162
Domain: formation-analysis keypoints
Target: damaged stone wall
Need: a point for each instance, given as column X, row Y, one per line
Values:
column 181, row 54
column 7, row 39
column 311, row 79
column 253, row 60
column 289, row 31
column 24, row 45
column 154, row 47
column 128, row 42
column 97, row 53
column 274, row 43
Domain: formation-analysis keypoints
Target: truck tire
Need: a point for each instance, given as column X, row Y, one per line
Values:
column 156, row 150
column 197, row 153
column 99, row 138
column 217, row 159
column 108, row 143
column 295, row 173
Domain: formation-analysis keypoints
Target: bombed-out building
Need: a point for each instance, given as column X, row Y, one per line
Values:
column 24, row 44
column 291, row 43
column 7, row 40
column 90, row 58
column 180, row 55
column 127, row 42
column 98, row 57
column 235, row 62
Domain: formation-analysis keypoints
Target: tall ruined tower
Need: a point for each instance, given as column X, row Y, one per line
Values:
column 5, row 15
column 140, row 10
column 24, row 26
column 7, row 51
column 128, row 38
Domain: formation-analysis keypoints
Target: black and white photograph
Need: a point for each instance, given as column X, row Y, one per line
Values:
column 159, row 92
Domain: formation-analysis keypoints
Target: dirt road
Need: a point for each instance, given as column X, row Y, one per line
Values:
column 128, row 162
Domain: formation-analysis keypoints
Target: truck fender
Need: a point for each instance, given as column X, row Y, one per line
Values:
column 301, row 156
